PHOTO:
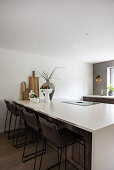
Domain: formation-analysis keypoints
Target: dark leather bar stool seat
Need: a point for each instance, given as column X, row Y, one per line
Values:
column 33, row 123
column 60, row 139
column 68, row 137
column 13, row 109
column 20, row 112
column 31, row 120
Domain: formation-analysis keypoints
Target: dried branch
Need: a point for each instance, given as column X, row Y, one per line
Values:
column 46, row 76
column 41, row 74
column 51, row 75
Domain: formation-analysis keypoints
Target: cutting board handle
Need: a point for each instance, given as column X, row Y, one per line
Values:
column 33, row 73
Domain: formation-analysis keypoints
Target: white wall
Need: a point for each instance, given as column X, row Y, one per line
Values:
column 74, row 81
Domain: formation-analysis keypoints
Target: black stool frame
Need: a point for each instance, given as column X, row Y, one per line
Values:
column 59, row 152
column 47, row 125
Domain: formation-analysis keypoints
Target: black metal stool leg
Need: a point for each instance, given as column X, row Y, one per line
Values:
column 28, row 157
column 9, row 126
column 32, row 135
column 18, row 132
column 18, row 145
column 26, row 132
column 14, row 129
column 36, row 151
column 45, row 146
column 60, row 158
column 84, row 157
column 65, row 158
column 5, row 121
column 44, row 143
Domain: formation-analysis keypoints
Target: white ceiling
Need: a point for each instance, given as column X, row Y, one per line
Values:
column 73, row 29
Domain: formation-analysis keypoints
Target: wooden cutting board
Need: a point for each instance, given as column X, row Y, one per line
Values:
column 34, row 84
column 24, row 91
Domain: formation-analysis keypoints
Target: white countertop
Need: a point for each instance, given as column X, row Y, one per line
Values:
column 99, row 96
column 90, row 118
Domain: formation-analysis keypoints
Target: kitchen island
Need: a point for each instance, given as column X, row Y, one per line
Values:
column 94, row 122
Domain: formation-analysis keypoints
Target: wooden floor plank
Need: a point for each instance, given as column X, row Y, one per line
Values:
column 10, row 157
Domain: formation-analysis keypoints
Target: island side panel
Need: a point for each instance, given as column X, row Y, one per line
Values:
column 103, row 149
column 75, row 153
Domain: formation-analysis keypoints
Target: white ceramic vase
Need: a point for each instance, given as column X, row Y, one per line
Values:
column 46, row 97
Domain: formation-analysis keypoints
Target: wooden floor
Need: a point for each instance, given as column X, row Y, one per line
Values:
column 10, row 157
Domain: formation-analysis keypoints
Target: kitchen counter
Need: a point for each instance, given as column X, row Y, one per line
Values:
column 90, row 118
column 94, row 122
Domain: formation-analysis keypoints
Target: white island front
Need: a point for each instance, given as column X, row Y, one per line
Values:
column 97, row 120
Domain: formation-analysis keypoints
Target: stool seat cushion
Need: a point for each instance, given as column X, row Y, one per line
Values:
column 67, row 137
column 31, row 120
column 60, row 138
column 20, row 112
column 13, row 109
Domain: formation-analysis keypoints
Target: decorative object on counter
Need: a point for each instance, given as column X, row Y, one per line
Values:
column 34, row 98
column 24, row 91
column 31, row 93
column 47, row 77
column 51, row 85
column 98, row 78
column 47, row 92
column 101, row 92
column 34, row 84
column 111, row 90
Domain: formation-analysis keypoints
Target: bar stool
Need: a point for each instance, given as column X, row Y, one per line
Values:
column 8, row 111
column 19, row 110
column 12, row 111
column 60, row 139
column 15, row 114
column 33, row 123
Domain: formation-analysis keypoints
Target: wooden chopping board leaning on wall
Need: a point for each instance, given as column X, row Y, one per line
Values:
column 24, row 91
column 34, row 84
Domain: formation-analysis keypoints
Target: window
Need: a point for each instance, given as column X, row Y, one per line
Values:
column 110, row 76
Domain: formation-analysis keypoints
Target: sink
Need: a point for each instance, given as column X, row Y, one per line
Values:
column 80, row 103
